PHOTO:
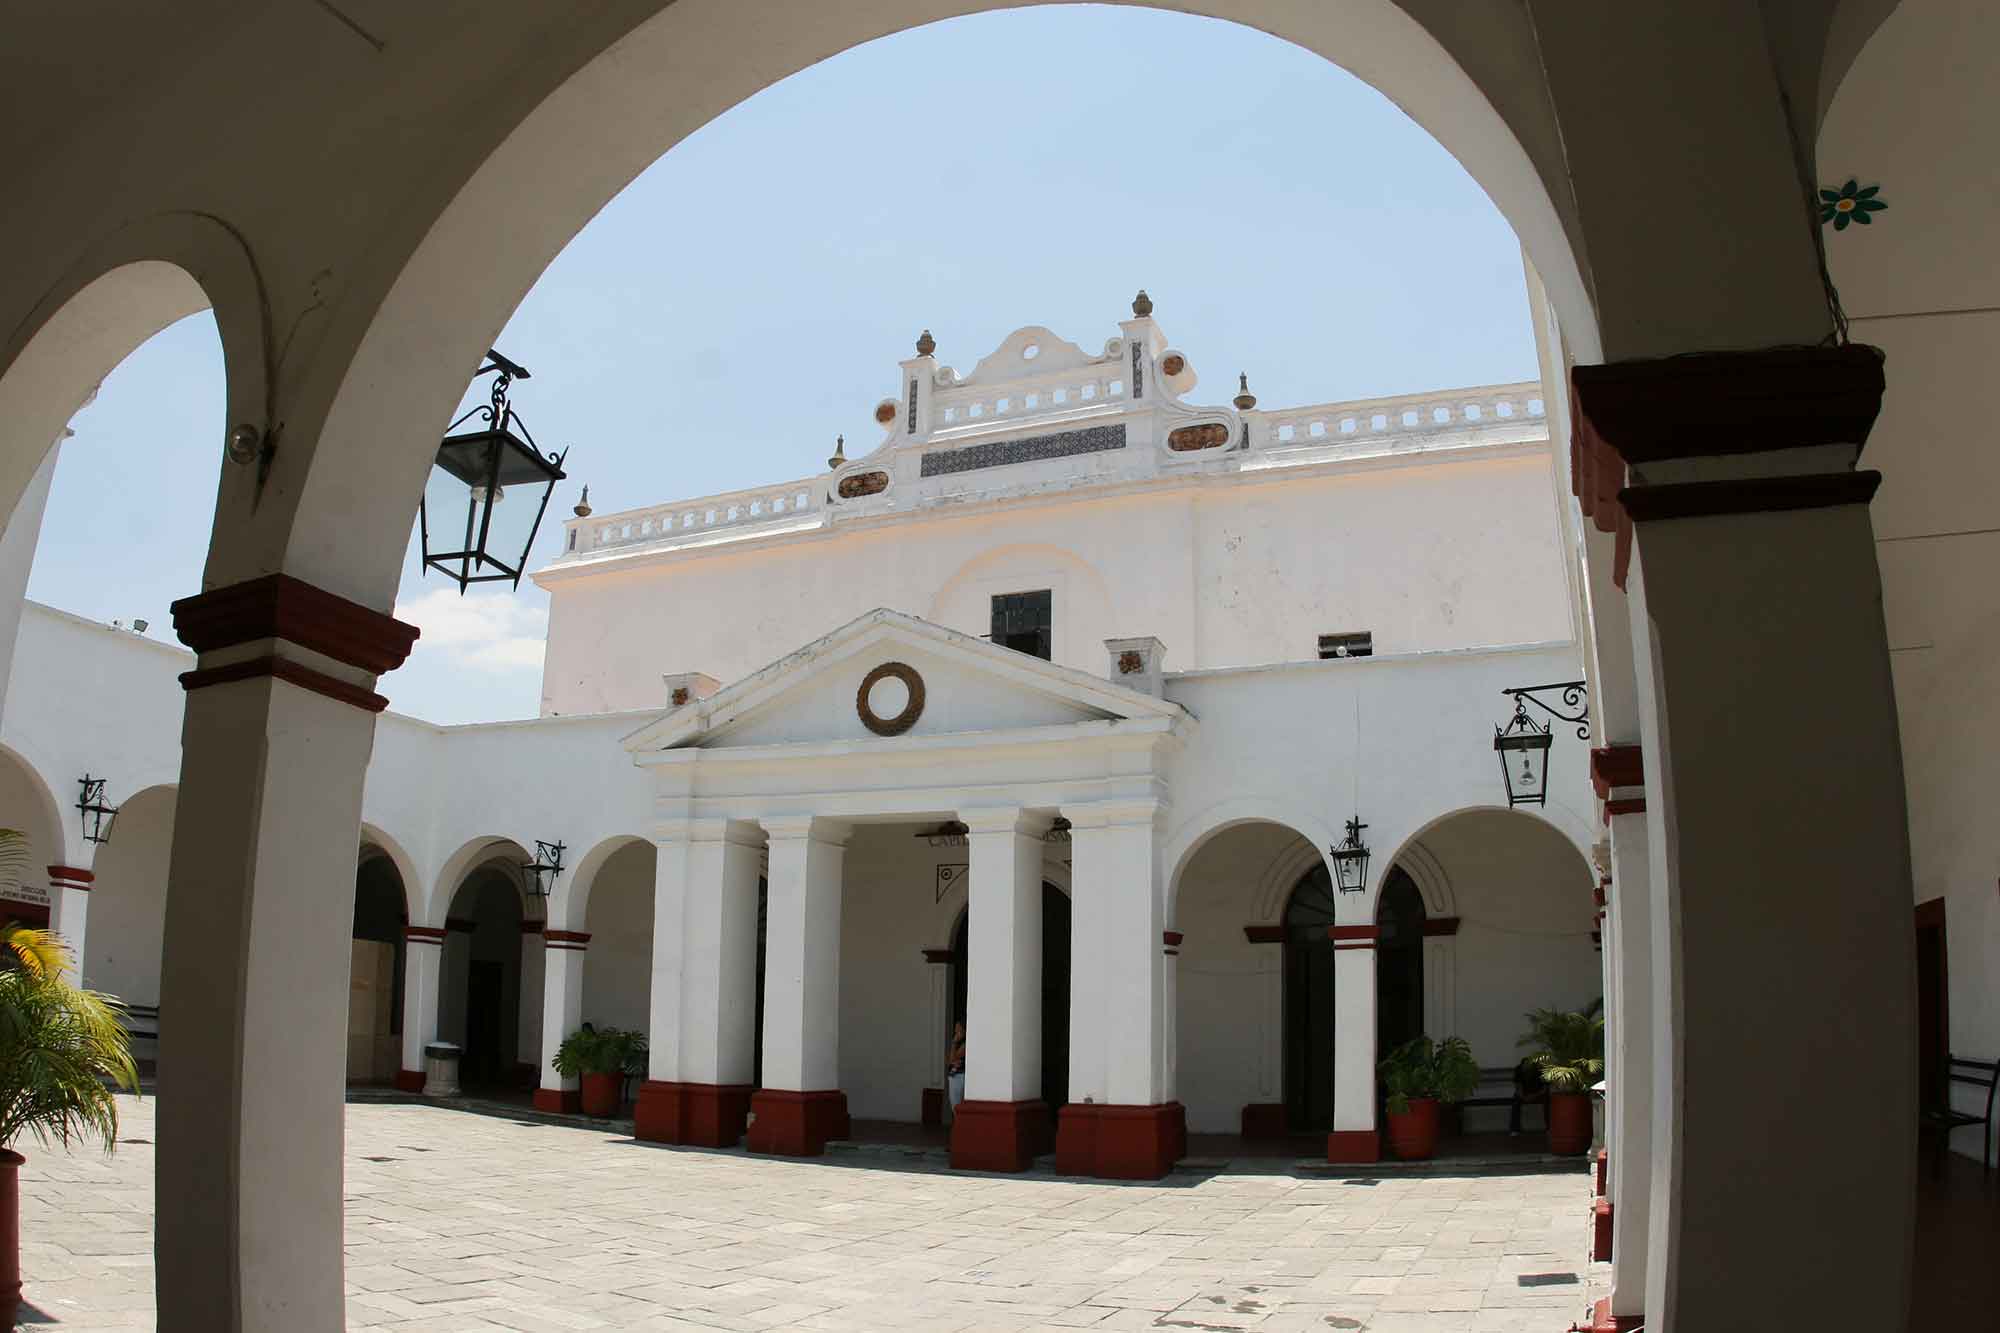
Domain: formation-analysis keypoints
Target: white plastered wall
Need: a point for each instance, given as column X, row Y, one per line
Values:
column 618, row 965
column 128, row 903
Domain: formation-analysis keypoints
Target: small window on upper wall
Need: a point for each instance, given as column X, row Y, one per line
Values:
column 1022, row 621
column 1360, row 644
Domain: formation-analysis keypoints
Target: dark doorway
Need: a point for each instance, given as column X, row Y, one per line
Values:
column 1399, row 963
column 1055, row 990
column 1933, row 1006
column 485, row 995
column 1309, row 1004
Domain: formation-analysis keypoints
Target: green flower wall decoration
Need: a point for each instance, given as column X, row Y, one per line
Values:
column 1849, row 204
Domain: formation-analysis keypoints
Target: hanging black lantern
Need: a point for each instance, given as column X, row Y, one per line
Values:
column 93, row 810
column 538, row 877
column 1523, row 748
column 488, row 491
column 1350, row 859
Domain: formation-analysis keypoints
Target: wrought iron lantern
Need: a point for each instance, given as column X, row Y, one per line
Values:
column 1350, row 859
column 1523, row 744
column 951, row 833
column 93, row 810
column 497, row 479
column 538, row 877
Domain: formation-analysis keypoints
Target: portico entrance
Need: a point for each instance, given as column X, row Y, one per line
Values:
column 1054, row 989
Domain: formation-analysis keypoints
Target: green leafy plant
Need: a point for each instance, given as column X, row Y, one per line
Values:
column 1421, row 1068
column 595, row 1050
column 1568, row 1046
column 63, row 1051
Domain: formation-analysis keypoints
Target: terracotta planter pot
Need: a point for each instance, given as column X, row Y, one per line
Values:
column 10, row 1236
column 600, row 1093
column 1413, row 1134
column 1569, row 1123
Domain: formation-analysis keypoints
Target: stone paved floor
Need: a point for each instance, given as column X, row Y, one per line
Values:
column 463, row 1221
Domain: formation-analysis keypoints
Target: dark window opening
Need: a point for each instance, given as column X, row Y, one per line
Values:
column 1360, row 644
column 1021, row 621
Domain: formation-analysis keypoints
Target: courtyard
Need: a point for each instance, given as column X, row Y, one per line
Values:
column 460, row 1221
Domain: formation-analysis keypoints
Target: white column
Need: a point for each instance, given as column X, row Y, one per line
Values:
column 251, row 1106
column 1003, row 1029
column 69, row 911
column 1117, row 981
column 1354, row 1137
column 423, row 963
column 802, row 954
column 528, row 1039
column 562, row 1013
column 1628, row 940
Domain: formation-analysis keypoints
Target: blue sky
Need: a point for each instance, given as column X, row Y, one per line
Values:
column 747, row 298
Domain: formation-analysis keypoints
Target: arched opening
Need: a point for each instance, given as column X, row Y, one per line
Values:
column 1055, row 989
column 128, row 903
column 375, row 972
column 1399, row 962
column 28, row 807
column 618, row 966
column 479, row 987
column 1309, row 1006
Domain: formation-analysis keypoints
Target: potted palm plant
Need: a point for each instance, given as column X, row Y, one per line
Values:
column 1568, row 1052
column 1417, row 1077
column 63, row 1052
column 600, row 1059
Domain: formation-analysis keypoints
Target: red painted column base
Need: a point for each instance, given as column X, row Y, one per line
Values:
column 10, row 1236
column 999, row 1136
column 1603, row 1321
column 559, row 1101
column 697, row 1115
column 1265, row 1120
column 1120, row 1142
column 1603, row 1169
column 409, row 1080
column 1354, row 1146
column 933, row 1106
column 796, row 1124
column 1600, row 1231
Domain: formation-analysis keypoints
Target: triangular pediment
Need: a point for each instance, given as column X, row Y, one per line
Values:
column 856, row 684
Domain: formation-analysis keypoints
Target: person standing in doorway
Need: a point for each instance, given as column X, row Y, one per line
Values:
column 954, row 1069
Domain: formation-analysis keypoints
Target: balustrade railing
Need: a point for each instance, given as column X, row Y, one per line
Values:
column 692, row 518
column 963, row 410
column 1406, row 420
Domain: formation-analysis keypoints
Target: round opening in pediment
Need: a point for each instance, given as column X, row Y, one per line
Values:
column 891, row 699
column 1031, row 351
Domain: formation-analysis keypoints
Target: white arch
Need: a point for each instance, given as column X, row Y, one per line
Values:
column 1190, row 834
column 569, row 906
column 42, row 793
column 459, row 866
column 1411, row 855
column 372, row 836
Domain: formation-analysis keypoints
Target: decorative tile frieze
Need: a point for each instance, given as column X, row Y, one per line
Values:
column 1034, row 449
column 913, row 406
column 1138, row 375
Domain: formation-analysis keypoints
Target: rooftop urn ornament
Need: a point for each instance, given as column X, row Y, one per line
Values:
column 1350, row 859
column 479, row 471
column 582, row 509
column 1523, row 744
column 926, row 344
column 839, row 459
column 1245, row 400
column 93, row 810
column 1142, row 304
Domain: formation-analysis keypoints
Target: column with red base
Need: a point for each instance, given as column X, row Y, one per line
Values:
column 528, row 1011
column 1355, row 1136
column 1002, row 1123
column 1122, row 1121
column 562, row 1013
column 801, row 1105
column 704, row 988
column 423, row 965
column 69, row 908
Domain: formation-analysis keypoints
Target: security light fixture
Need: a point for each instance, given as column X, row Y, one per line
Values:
column 1523, row 744
column 538, row 877
column 1350, row 859
column 93, row 810
column 498, row 478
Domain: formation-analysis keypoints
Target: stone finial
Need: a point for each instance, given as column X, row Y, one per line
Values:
column 1142, row 304
column 926, row 344
column 839, row 458
column 1245, row 400
column 583, row 504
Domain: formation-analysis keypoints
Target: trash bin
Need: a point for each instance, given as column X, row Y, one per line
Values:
column 441, row 1069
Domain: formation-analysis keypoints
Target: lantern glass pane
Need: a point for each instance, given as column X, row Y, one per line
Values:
column 451, row 525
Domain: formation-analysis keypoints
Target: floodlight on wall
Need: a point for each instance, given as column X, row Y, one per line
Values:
column 538, row 877
column 1350, row 859
column 951, row 833
column 95, row 813
column 1523, row 744
column 496, row 476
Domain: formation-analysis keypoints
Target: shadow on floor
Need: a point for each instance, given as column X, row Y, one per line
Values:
column 1957, row 1278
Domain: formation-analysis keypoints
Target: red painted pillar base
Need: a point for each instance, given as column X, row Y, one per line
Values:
column 1265, row 1120
column 1120, row 1142
column 1603, row 1321
column 796, row 1124
column 409, row 1080
column 698, row 1115
column 999, row 1136
column 1354, row 1146
column 1600, row 1231
column 10, row 1236
column 559, row 1101
column 933, row 1106
column 1603, row 1169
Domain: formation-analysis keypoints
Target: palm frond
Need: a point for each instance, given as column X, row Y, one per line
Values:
column 63, row 1050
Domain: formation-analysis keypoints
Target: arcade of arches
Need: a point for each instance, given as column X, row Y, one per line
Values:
column 1729, row 573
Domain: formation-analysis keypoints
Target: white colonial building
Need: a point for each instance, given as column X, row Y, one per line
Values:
column 1044, row 716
